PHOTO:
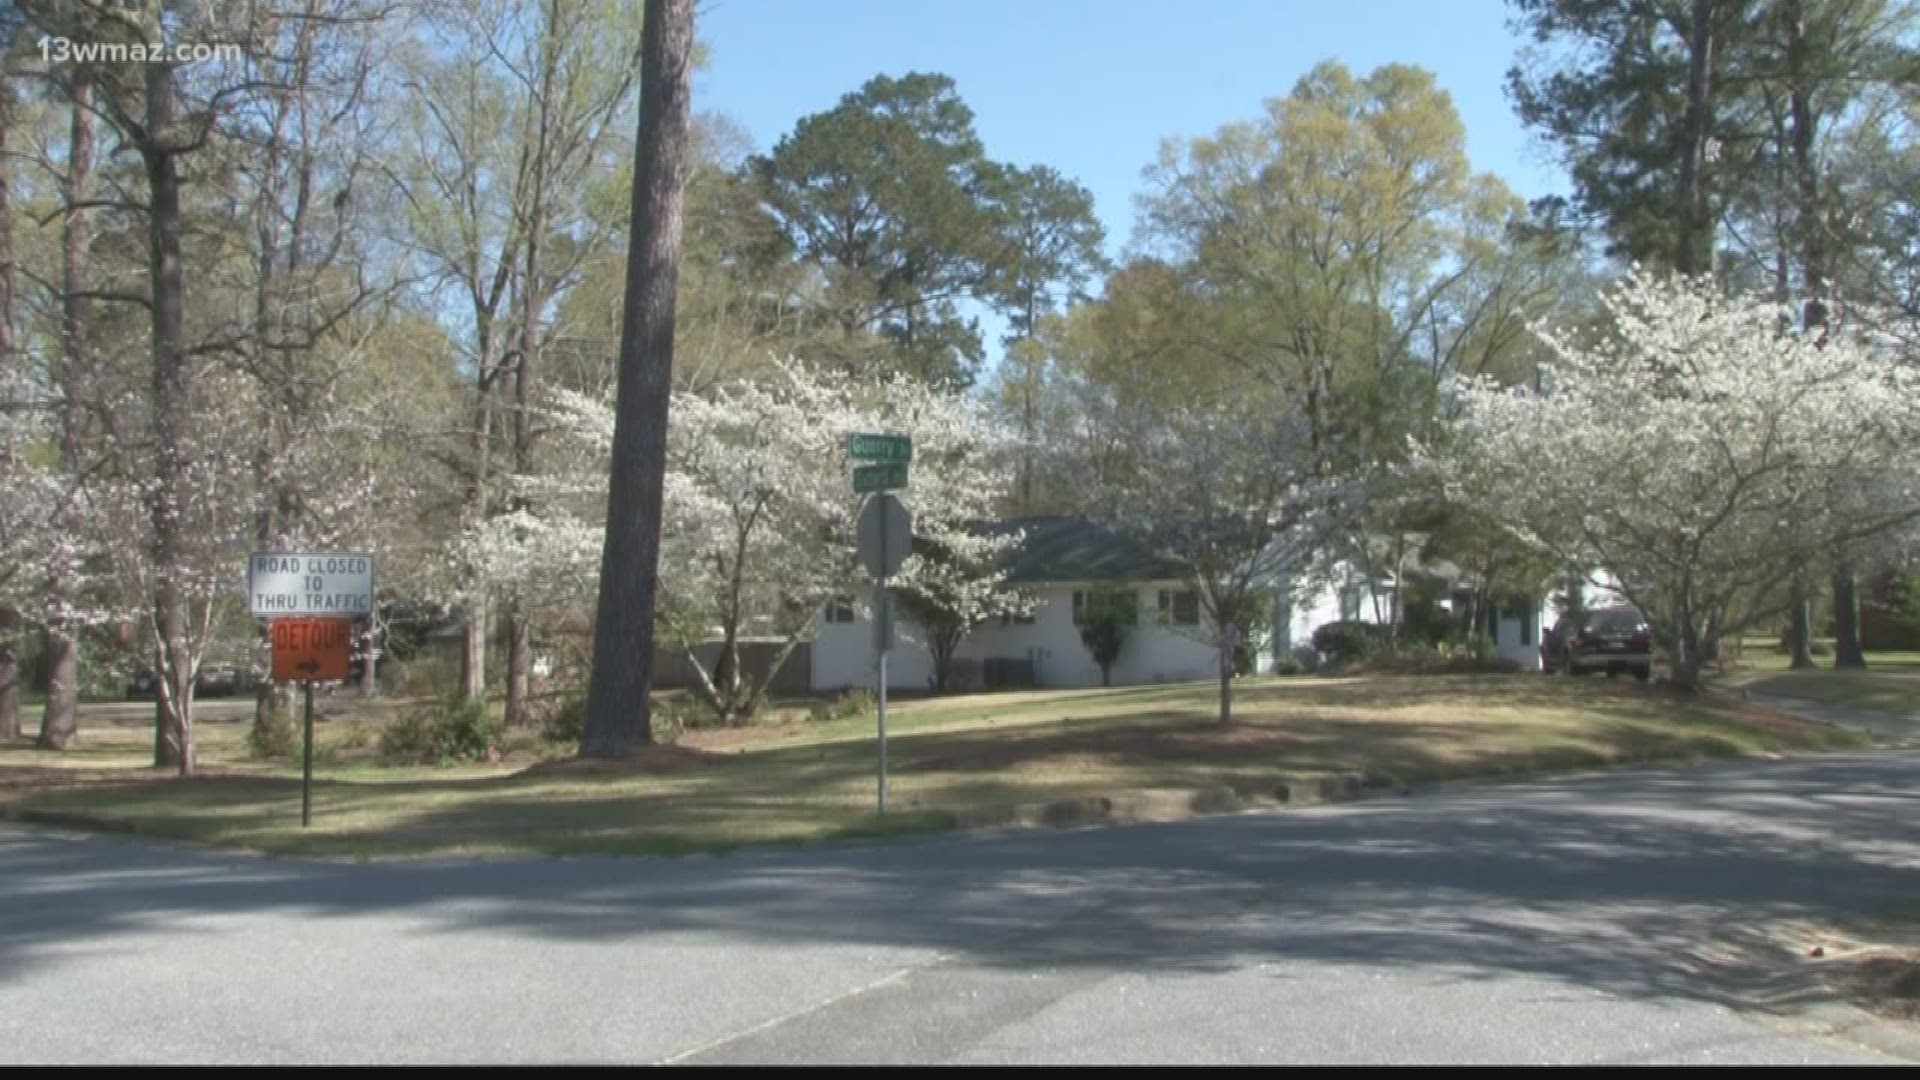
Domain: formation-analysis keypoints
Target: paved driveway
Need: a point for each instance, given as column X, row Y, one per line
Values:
column 1548, row 922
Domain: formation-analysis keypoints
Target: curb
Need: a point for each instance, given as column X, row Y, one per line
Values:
column 1173, row 804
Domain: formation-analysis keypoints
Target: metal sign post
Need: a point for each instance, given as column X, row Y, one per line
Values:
column 880, row 598
column 885, row 536
column 306, row 765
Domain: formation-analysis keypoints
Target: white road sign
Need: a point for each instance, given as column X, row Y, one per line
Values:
column 309, row 583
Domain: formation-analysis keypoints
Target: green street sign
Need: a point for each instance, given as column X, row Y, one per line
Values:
column 892, row 448
column 884, row 477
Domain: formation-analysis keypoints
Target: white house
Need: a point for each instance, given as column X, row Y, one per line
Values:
column 1513, row 626
column 1059, row 562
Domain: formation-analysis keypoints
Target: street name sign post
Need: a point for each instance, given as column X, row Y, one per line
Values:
column 891, row 448
column 887, row 476
column 885, row 536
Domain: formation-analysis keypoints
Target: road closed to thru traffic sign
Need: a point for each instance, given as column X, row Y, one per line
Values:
column 309, row 583
column 311, row 649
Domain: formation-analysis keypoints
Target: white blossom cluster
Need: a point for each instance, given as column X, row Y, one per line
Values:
column 759, row 510
column 1701, row 451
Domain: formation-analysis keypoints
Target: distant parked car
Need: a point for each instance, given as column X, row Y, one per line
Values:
column 214, row 680
column 220, row 680
column 1610, row 639
column 141, row 685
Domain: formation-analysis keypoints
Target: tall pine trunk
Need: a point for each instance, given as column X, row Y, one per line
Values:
column 473, row 648
column 526, row 369
column 9, row 692
column 1813, row 267
column 170, row 388
column 1800, row 622
column 1695, row 252
column 519, row 640
column 60, row 719
column 9, row 619
column 617, row 707
column 1847, row 652
column 369, row 658
column 1226, row 686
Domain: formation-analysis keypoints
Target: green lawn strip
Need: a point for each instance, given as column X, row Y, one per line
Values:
column 955, row 757
column 1890, row 690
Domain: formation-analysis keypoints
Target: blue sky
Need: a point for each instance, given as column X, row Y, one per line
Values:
column 1090, row 87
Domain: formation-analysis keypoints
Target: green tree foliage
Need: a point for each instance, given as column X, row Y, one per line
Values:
column 1339, row 251
column 890, row 206
column 1049, row 248
column 882, row 196
column 1636, row 95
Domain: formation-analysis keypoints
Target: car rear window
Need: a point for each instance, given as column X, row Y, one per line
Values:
column 1614, row 621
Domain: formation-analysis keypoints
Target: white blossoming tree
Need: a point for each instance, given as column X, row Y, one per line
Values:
column 1701, row 452
column 759, row 512
column 1239, row 497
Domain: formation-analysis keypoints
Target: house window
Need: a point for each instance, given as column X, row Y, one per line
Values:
column 1079, row 607
column 1526, row 625
column 1179, row 607
column 1027, row 619
column 840, row 610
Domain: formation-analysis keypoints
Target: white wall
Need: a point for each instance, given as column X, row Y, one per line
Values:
column 1314, row 607
column 1520, row 643
column 843, row 652
column 1318, row 606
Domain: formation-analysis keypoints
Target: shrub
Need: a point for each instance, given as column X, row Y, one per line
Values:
column 456, row 729
column 855, row 701
column 566, row 721
column 1418, row 661
column 673, row 717
column 1348, row 640
column 1107, row 617
column 1289, row 666
column 272, row 736
column 858, row 701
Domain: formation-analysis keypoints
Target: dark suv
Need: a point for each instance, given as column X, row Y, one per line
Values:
column 1611, row 639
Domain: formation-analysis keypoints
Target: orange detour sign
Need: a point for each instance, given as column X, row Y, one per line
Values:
column 311, row 649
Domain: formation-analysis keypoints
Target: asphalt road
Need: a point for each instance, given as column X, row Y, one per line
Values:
column 1570, row 921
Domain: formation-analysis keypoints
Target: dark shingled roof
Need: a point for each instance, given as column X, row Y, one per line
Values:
column 1075, row 549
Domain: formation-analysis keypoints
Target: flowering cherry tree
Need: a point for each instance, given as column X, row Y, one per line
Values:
column 1700, row 451
column 1240, row 498
column 759, row 514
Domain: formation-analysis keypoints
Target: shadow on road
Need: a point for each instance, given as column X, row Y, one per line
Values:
column 1607, row 882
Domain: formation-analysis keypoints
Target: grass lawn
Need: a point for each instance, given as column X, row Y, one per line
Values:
column 1890, row 683
column 798, row 781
